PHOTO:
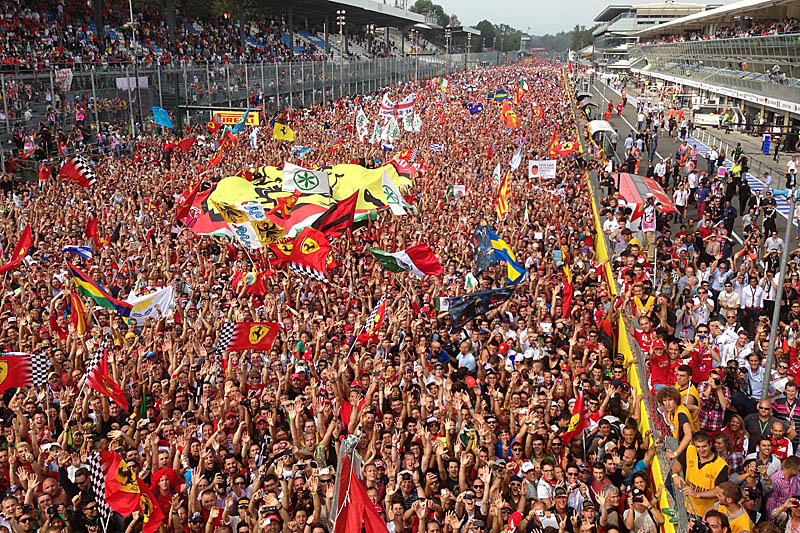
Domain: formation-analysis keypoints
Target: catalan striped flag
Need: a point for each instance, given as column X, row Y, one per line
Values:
column 78, row 314
column 503, row 195
column 87, row 287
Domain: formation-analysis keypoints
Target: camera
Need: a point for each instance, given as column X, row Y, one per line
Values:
column 717, row 381
column 52, row 510
column 699, row 526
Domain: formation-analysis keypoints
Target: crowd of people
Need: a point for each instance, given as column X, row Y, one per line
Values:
column 778, row 27
column 699, row 285
column 63, row 34
column 461, row 429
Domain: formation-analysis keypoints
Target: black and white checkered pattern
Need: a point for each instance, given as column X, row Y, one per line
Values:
column 371, row 317
column 98, row 483
column 85, row 168
column 40, row 368
column 226, row 332
column 309, row 272
column 97, row 357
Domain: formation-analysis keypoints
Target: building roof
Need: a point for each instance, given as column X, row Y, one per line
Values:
column 651, row 8
column 727, row 13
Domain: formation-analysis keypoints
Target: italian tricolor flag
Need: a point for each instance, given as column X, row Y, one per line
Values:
column 418, row 259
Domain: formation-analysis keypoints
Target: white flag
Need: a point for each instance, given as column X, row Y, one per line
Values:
column 408, row 123
column 496, row 176
column 516, row 159
column 387, row 107
column 405, row 106
column 305, row 180
column 393, row 197
column 417, row 123
column 376, row 133
column 385, row 131
column 394, row 130
column 362, row 124
column 144, row 307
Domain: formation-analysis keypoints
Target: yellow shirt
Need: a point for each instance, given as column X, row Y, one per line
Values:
column 702, row 477
column 739, row 522
column 685, row 393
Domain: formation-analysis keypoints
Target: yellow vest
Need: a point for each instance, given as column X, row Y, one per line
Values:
column 740, row 522
column 691, row 391
column 673, row 420
column 701, row 478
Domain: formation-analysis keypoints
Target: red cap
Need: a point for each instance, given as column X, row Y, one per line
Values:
column 470, row 381
column 503, row 348
column 355, row 383
column 658, row 343
column 230, row 414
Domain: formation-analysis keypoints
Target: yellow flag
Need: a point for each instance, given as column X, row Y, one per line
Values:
column 282, row 132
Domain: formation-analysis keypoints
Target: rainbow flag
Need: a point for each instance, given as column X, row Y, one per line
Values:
column 87, row 287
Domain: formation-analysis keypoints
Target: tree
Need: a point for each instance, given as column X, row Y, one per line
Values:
column 488, row 32
column 425, row 7
column 581, row 36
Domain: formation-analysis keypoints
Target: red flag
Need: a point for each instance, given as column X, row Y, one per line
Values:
column 78, row 314
column 338, row 218
column 566, row 299
column 27, row 154
column 122, row 483
column 45, row 173
column 374, row 323
column 282, row 251
column 186, row 206
column 490, row 153
column 24, row 244
column 92, row 232
column 253, row 281
column 217, row 159
column 78, row 170
column 235, row 336
column 284, row 205
column 310, row 254
column 579, row 420
column 149, row 509
column 186, row 144
column 335, row 146
column 214, row 124
column 15, row 372
column 100, row 381
column 552, row 150
column 357, row 510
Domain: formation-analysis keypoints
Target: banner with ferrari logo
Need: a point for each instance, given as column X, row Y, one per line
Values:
column 235, row 336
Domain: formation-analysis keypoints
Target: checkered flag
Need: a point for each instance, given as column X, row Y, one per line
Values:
column 307, row 271
column 97, row 357
column 78, row 170
column 97, row 480
column 40, row 368
column 226, row 333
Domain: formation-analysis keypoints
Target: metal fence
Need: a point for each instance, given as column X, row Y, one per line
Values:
column 127, row 94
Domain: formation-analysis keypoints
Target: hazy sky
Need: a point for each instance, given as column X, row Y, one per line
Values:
column 541, row 16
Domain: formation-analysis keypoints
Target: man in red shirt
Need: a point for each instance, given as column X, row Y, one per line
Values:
column 644, row 336
column 700, row 354
column 662, row 367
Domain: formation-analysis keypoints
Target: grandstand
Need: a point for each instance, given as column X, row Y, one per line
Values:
column 741, row 55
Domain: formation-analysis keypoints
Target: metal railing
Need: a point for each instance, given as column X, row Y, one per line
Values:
column 126, row 94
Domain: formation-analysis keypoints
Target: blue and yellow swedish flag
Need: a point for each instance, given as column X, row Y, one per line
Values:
column 503, row 252
column 498, row 95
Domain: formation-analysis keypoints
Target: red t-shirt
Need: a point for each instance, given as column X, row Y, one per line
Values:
column 645, row 339
column 700, row 361
column 662, row 370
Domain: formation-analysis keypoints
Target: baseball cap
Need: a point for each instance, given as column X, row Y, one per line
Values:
column 560, row 491
column 470, row 381
column 527, row 466
column 243, row 502
column 503, row 347
column 196, row 517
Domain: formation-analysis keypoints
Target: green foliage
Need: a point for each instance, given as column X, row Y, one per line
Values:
column 424, row 7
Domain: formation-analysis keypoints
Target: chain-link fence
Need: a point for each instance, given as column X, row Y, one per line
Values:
column 92, row 96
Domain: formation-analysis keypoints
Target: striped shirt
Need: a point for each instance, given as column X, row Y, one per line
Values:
column 782, row 490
